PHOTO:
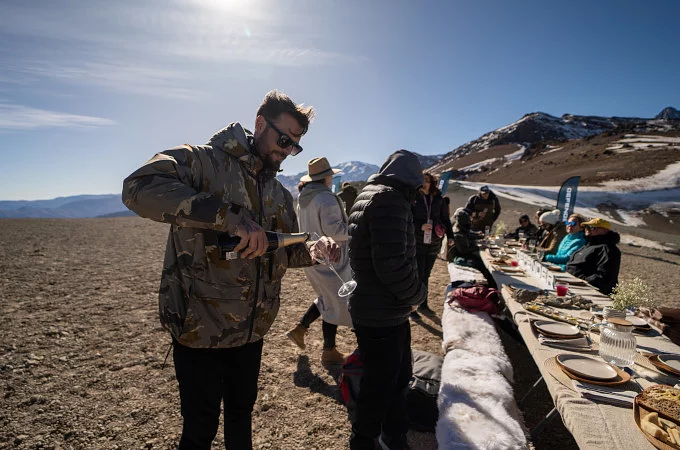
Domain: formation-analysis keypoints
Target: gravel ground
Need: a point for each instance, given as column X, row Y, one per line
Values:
column 82, row 353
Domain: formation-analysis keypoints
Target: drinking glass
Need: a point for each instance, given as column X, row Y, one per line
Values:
column 562, row 288
column 347, row 287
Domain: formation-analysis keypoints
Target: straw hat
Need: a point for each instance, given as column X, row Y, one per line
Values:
column 318, row 169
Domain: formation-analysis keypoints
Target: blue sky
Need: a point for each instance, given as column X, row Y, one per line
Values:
column 90, row 90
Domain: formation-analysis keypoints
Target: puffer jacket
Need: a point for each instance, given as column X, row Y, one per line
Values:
column 203, row 191
column 464, row 245
column 598, row 261
column 382, row 247
column 569, row 245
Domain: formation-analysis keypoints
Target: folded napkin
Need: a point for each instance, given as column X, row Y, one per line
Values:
column 579, row 343
column 605, row 394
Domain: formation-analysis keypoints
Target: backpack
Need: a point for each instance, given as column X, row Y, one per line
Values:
column 350, row 380
column 421, row 399
column 476, row 298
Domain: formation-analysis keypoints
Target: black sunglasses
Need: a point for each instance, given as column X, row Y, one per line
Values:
column 285, row 141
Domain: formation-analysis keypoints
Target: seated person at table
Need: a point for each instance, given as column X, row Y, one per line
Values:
column 599, row 260
column 540, row 233
column 526, row 227
column 574, row 240
column 464, row 250
column 555, row 232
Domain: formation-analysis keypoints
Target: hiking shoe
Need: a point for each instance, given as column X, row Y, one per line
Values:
column 297, row 335
column 393, row 443
column 332, row 356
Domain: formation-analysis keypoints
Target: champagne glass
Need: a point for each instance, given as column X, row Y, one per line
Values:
column 347, row 287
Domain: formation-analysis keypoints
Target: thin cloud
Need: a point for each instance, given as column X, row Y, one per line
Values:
column 129, row 46
column 19, row 117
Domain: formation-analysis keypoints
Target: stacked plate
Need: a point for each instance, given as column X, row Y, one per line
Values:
column 639, row 324
column 555, row 330
column 669, row 363
column 589, row 370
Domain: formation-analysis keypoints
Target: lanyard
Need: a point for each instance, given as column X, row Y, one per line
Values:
column 428, row 207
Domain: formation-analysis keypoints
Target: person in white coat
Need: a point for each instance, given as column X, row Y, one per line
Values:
column 320, row 211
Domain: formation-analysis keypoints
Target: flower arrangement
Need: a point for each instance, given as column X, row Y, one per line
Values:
column 501, row 228
column 632, row 293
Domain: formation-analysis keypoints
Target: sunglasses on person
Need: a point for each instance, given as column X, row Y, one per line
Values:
column 572, row 223
column 285, row 141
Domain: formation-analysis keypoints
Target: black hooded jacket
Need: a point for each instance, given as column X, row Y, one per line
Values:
column 598, row 261
column 382, row 247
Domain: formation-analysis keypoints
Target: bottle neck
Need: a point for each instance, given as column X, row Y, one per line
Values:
column 286, row 239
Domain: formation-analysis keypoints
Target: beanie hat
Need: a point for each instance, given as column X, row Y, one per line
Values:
column 550, row 217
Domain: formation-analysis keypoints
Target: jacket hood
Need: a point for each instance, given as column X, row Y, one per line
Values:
column 610, row 238
column 401, row 166
column 236, row 141
column 310, row 191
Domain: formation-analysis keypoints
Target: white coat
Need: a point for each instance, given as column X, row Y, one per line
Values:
column 320, row 211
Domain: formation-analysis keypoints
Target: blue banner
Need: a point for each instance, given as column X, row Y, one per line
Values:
column 566, row 199
column 337, row 181
column 443, row 184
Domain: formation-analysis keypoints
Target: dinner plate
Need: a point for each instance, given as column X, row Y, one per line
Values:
column 509, row 269
column 588, row 368
column 663, row 367
column 672, row 361
column 556, row 328
column 637, row 321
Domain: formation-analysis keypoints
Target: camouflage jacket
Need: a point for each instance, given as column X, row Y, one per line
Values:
column 203, row 191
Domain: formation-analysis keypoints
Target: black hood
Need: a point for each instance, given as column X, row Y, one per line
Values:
column 403, row 167
column 611, row 238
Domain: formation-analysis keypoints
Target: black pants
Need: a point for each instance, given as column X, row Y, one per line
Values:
column 425, row 264
column 208, row 376
column 381, row 406
column 329, row 330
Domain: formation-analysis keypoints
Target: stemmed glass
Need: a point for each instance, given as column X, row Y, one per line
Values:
column 347, row 287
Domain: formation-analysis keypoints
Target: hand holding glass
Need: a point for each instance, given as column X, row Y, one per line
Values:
column 347, row 287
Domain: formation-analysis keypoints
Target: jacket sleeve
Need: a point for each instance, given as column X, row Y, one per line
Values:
column 165, row 190
column 471, row 204
column 497, row 208
column 445, row 220
column 564, row 251
column 298, row 254
column 388, row 226
column 332, row 219
column 605, row 269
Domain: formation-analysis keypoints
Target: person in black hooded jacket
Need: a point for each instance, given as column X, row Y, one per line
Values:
column 382, row 252
column 465, row 251
column 598, row 261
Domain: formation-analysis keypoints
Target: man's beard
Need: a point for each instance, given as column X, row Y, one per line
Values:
column 269, row 164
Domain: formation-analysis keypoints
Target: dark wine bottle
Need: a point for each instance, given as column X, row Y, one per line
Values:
column 227, row 242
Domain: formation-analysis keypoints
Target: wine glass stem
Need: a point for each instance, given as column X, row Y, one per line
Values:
column 330, row 266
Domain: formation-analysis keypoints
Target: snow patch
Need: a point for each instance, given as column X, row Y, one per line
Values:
column 664, row 179
column 642, row 242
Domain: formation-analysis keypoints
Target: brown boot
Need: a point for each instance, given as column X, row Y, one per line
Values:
column 332, row 356
column 297, row 335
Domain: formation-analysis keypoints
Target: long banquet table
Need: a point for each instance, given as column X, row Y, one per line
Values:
column 593, row 425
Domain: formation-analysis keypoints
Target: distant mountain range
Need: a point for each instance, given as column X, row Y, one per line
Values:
column 538, row 149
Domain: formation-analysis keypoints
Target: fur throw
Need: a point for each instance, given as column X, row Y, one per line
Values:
column 477, row 409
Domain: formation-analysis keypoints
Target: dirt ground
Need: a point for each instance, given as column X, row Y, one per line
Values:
column 82, row 352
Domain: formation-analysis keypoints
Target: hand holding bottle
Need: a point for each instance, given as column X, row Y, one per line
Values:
column 253, row 239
